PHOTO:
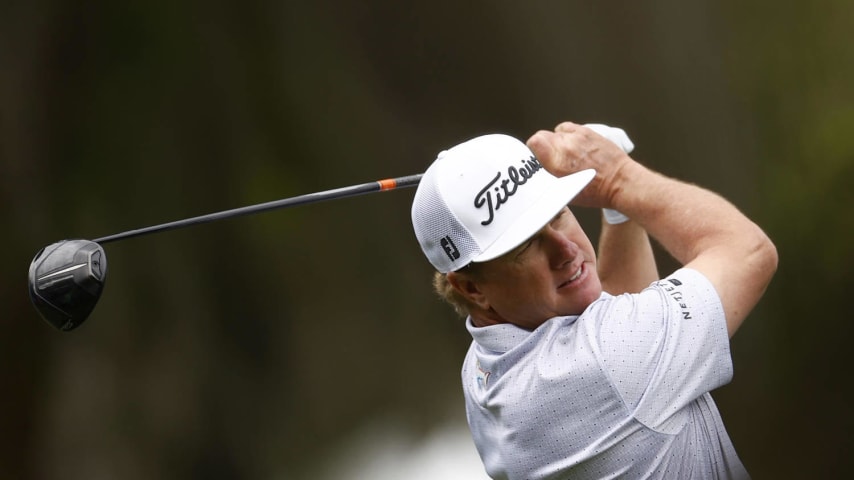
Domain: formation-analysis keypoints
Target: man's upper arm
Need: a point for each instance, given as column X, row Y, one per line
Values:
column 626, row 263
column 740, row 282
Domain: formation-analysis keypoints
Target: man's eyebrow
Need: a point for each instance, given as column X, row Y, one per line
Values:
column 560, row 213
column 524, row 245
column 527, row 242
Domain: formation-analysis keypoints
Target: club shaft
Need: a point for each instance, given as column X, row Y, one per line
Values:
column 351, row 191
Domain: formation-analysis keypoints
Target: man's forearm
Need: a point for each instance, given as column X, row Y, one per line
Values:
column 701, row 230
column 685, row 218
column 626, row 263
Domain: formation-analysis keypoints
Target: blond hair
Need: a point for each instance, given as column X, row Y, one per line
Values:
column 450, row 294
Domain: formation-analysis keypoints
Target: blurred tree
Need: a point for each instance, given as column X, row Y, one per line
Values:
column 793, row 66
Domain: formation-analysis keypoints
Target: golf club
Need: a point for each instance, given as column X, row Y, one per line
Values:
column 66, row 278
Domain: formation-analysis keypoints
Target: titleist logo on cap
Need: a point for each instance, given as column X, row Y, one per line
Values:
column 505, row 188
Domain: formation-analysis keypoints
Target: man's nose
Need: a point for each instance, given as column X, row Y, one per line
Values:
column 561, row 250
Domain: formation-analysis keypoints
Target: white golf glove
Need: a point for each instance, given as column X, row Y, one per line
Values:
column 619, row 137
column 614, row 134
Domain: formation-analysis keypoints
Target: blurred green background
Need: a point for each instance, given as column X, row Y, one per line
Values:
column 259, row 347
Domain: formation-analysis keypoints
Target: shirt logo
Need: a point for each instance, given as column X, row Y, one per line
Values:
column 482, row 376
column 505, row 188
column 677, row 297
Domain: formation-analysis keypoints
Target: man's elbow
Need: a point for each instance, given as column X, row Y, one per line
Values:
column 764, row 258
column 773, row 258
column 758, row 264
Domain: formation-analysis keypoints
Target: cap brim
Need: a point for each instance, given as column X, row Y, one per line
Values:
column 563, row 190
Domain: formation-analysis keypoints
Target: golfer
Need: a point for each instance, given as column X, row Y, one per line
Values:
column 586, row 366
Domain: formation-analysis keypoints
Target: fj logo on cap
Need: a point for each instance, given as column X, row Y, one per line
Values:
column 506, row 188
column 449, row 248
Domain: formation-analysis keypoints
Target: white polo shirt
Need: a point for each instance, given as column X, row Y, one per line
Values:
column 619, row 391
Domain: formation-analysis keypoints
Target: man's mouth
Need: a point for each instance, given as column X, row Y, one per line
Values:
column 575, row 276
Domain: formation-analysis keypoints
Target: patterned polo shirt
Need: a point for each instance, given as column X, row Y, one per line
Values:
column 621, row 391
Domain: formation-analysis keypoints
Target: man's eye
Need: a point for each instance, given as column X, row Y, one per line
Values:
column 560, row 218
column 524, row 247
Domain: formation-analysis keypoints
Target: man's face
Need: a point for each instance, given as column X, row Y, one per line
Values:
column 552, row 274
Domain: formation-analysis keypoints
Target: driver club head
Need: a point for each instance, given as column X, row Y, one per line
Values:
column 65, row 281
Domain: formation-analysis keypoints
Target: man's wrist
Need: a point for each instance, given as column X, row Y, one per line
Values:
column 627, row 185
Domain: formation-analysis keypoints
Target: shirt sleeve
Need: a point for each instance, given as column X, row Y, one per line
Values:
column 665, row 347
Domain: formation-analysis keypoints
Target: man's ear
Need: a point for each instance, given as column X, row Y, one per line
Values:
column 469, row 289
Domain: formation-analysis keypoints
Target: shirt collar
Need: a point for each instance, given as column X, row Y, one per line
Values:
column 503, row 337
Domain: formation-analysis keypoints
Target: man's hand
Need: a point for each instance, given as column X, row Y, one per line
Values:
column 572, row 148
column 625, row 261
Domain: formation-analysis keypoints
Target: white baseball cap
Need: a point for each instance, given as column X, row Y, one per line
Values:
column 483, row 198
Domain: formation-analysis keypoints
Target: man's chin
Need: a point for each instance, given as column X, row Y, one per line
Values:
column 581, row 302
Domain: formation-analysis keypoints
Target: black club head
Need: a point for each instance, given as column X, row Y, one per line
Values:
column 65, row 281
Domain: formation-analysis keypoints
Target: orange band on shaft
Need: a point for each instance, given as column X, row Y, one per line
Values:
column 387, row 184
